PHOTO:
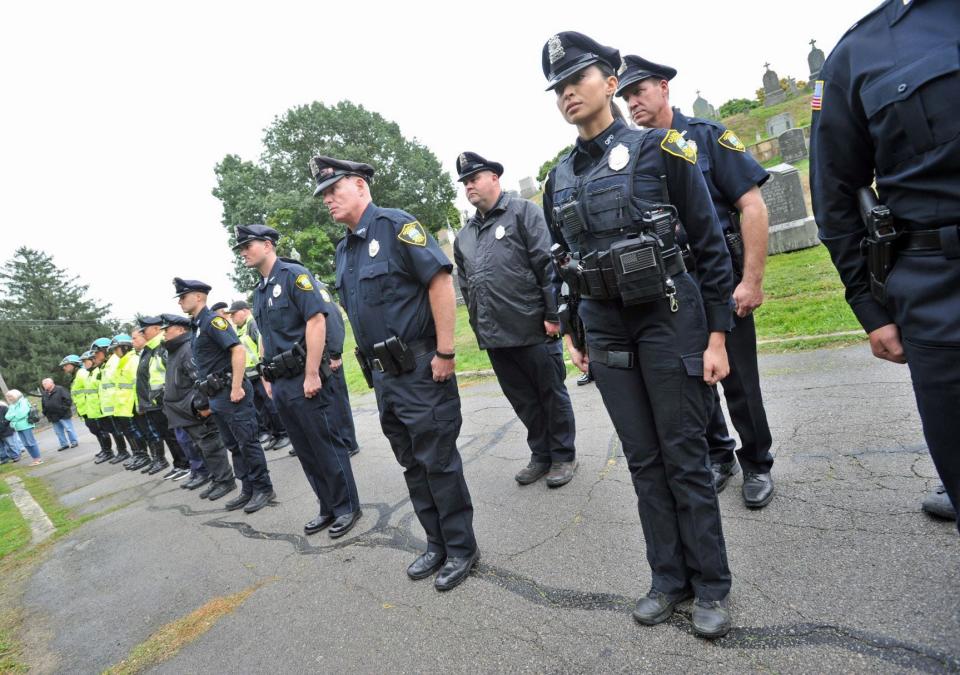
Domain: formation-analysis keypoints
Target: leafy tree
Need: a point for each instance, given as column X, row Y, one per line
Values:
column 550, row 163
column 278, row 189
column 737, row 105
column 45, row 314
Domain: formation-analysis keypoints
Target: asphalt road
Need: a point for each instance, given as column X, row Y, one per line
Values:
column 840, row 573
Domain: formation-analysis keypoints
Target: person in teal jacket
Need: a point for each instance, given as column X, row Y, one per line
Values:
column 18, row 415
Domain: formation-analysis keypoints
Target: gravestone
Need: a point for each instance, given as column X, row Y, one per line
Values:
column 777, row 124
column 703, row 109
column 792, row 86
column 528, row 187
column 790, row 226
column 815, row 60
column 772, row 93
column 793, row 146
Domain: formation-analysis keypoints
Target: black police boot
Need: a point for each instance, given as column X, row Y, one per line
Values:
column 147, row 465
column 197, row 481
column 210, row 488
column 426, row 564
column 532, row 472
column 938, row 504
column 157, row 467
column 710, row 618
column 657, row 607
column 322, row 521
column 239, row 501
column 259, row 500
column 722, row 474
column 344, row 524
column 757, row 489
column 454, row 571
column 221, row 489
column 268, row 444
column 560, row 474
column 105, row 457
column 124, row 456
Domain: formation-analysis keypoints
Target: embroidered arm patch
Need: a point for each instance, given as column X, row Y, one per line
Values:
column 730, row 141
column 675, row 144
column 413, row 233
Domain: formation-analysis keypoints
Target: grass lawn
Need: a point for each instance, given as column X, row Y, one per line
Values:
column 747, row 125
column 14, row 530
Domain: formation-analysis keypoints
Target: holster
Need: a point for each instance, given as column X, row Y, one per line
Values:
column 213, row 383
column 393, row 357
column 880, row 243
column 735, row 246
column 364, row 367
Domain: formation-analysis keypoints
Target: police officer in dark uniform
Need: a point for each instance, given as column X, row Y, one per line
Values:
column 291, row 312
column 885, row 111
column 507, row 279
column 395, row 283
column 734, row 178
column 655, row 344
column 220, row 361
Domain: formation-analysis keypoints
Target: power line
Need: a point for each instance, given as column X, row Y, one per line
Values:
column 51, row 321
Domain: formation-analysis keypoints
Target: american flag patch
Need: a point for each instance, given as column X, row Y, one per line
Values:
column 817, row 101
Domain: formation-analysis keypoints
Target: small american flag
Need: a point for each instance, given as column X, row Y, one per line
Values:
column 817, row 101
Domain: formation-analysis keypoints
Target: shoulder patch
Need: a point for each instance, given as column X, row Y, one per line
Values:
column 325, row 295
column 412, row 233
column 219, row 323
column 730, row 141
column 674, row 143
column 816, row 103
column 303, row 282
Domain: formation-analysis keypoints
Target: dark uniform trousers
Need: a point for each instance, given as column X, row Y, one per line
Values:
column 126, row 427
column 421, row 419
column 98, row 429
column 309, row 423
column 191, row 451
column 532, row 378
column 239, row 431
column 206, row 439
column 268, row 418
column 154, row 427
column 741, row 388
column 110, row 424
column 341, row 412
column 925, row 303
column 659, row 409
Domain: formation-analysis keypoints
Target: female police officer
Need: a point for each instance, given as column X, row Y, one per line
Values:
column 654, row 345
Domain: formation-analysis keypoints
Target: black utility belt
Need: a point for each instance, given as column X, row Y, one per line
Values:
column 285, row 364
column 945, row 239
column 633, row 270
column 394, row 357
column 214, row 383
column 611, row 359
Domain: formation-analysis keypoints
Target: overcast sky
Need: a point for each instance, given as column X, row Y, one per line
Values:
column 114, row 113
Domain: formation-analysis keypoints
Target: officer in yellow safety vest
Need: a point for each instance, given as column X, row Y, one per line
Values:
column 87, row 399
column 104, row 386
column 150, row 420
column 124, row 398
column 273, row 435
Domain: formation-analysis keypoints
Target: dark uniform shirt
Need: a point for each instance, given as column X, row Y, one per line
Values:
column 383, row 269
column 886, row 108
column 687, row 191
column 336, row 330
column 283, row 302
column 506, row 275
column 730, row 171
column 213, row 337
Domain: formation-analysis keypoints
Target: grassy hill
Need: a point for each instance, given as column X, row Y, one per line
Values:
column 748, row 124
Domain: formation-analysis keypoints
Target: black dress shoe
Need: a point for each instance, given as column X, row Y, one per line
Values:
column 344, row 524
column 938, row 504
column 757, row 489
column 157, row 467
column 560, row 474
column 196, row 482
column 454, row 571
column 722, row 474
column 292, row 452
column 206, row 492
column 264, row 437
column 120, row 458
column 144, row 465
column 221, row 489
column 321, row 522
column 102, row 458
column 62, row 448
column 710, row 618
column 657, row 607
column 532, row 472
column 426, row 564
column 280, row 442
column 354, row 452
column 259, row 500
column 586, row 378
column 268, row 444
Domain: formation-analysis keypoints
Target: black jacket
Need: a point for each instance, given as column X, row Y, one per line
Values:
column 5, row 428
column 57, row 404
column 180, row 394
column 508, row 281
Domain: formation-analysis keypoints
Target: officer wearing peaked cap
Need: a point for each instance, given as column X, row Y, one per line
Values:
column 220, row 361
column 395, row 283
column 291, row 312
column 507, row 279
column 885, row 111
column 734, row 178
column 654, row 340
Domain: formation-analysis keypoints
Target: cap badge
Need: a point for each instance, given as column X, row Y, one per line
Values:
column 374, row 248
column 463, row 160
column 314, row 167
column 622, row 69
column 619, row 157
column 555, row 49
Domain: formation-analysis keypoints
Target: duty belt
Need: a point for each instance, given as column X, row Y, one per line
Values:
column 611, row 359
column 599, row 282
column 946, row 239
column 417, row 347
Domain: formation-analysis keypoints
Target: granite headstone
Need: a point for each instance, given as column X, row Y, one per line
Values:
column 793, row 146
column 815, row 60
column 772, row 93
column 528, row 187
column 783, row 194
column 777, row 124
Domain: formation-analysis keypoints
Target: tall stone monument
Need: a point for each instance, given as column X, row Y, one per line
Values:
column 790, row 226
column 815, row 60
column 703, row 109
column 772, row 93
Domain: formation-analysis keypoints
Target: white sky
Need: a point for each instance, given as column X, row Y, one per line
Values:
column 113, row 114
